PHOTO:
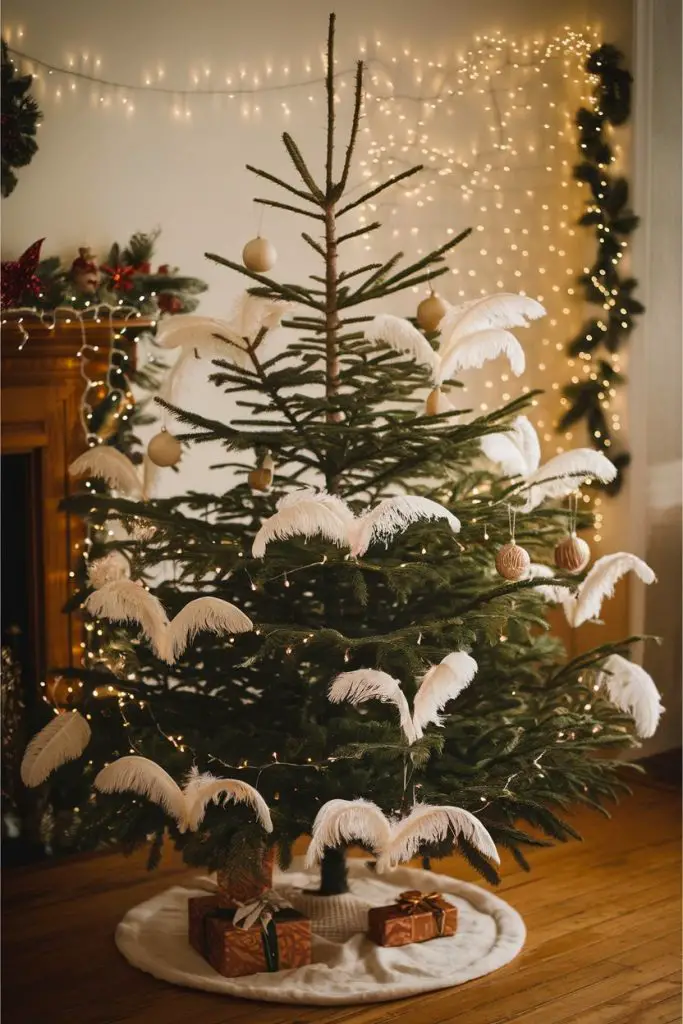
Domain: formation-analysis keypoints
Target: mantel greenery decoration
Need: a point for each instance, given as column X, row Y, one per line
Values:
column 608, row 212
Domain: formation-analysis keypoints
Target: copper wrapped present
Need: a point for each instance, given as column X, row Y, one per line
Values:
column 414, row 917
column 239, row 886
column 274, row 939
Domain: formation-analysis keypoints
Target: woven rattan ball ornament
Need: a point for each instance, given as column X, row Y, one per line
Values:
column 512, row 562
column 259, row 255
column 572, row 554
column 431, row 312
column 164, row 449
column 261, row 478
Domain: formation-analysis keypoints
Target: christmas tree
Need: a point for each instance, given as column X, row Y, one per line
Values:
column 352, row 639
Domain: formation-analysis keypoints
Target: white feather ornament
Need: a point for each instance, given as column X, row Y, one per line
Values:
column 429, row 824
column 400, row 335
column 501, row 449
column 370, row 684
column 186, row 806
column 109, row 464
column 601, row 581
column 562, row 474
column 631, row 689
column 209, row 614
column 552, row 593
column 61, row 740
column 493, row 312
column 252, row 313
column 443, row 682
column 127, row 601
column 392, row 516
column 146, row 778
column 201, row 790
column 112, row 567
column 309, row 516
column 472, row 351
column 345, row 821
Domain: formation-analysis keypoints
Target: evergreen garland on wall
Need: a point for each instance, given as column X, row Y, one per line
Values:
column 608, row 212
column 20, row 117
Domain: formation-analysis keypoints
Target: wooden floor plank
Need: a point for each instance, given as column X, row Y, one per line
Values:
column 603, row 947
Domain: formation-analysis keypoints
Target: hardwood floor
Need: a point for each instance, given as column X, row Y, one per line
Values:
column 603, row 920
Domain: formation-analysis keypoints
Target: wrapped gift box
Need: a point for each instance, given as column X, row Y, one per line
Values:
column 241, row 886
column 235, row 951
column 414, row 917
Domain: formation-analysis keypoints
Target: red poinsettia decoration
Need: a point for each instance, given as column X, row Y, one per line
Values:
column 119, row 277
column 19, row 276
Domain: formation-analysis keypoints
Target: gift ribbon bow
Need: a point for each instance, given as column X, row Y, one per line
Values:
column 261, row 910
column 413, row 901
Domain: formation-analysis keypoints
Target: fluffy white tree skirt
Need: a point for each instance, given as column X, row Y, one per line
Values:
column 153, row 937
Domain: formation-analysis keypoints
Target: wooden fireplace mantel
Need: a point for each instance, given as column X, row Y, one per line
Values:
column 42, row 388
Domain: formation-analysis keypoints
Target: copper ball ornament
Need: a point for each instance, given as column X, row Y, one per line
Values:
column 431, row 312
column 572, row 554
column 512, row 562
column 164, row 449
column 259, row 255
column 261, row 478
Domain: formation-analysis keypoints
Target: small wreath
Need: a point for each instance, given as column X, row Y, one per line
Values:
column 20, row 116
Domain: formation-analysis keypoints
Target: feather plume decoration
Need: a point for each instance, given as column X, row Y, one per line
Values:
column 111, row 465
column 400, row 335
column 63, row 739
column 201, row 790
column 308, row 517
column 443, row 682
column 473, row 350
column 311, row 513
column 517, row 452
column 493, row 312
column 345, row 821
column 562, row 474
column 523, row 435
column 550, row 593
column 186, row 806
column 601, row 581
column 146, row 778
column 112, row 567
column 370, row 684
column 205, row 613
column 392, row 516
column 631, row 689
column 190, row 332
column 252, row 314
column 127, row 601
column 429, row 824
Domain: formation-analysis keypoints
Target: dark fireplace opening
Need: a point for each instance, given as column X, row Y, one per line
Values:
column 23, row 647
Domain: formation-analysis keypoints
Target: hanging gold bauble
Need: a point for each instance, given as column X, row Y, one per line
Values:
column 431, row 312
column 261, row 478
column 433, row 402
column 512, row 562
column 572, row 554
column 164, row 449
column 259, row 255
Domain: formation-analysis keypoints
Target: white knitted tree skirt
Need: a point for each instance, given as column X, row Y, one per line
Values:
column 153, row 937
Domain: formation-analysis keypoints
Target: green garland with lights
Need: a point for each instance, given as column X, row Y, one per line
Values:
column 608, row 211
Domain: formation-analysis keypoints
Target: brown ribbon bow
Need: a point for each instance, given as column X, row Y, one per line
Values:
column 413, row 901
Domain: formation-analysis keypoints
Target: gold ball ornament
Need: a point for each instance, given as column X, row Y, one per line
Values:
column 572, row 554
column 259, row 255
column 431, row 312
column 512, row 562
column 164, row 449
column 261, row 478
column 433, row 403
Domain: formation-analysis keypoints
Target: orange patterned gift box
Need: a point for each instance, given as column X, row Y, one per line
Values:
column 234, row 951
column 414, row 917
